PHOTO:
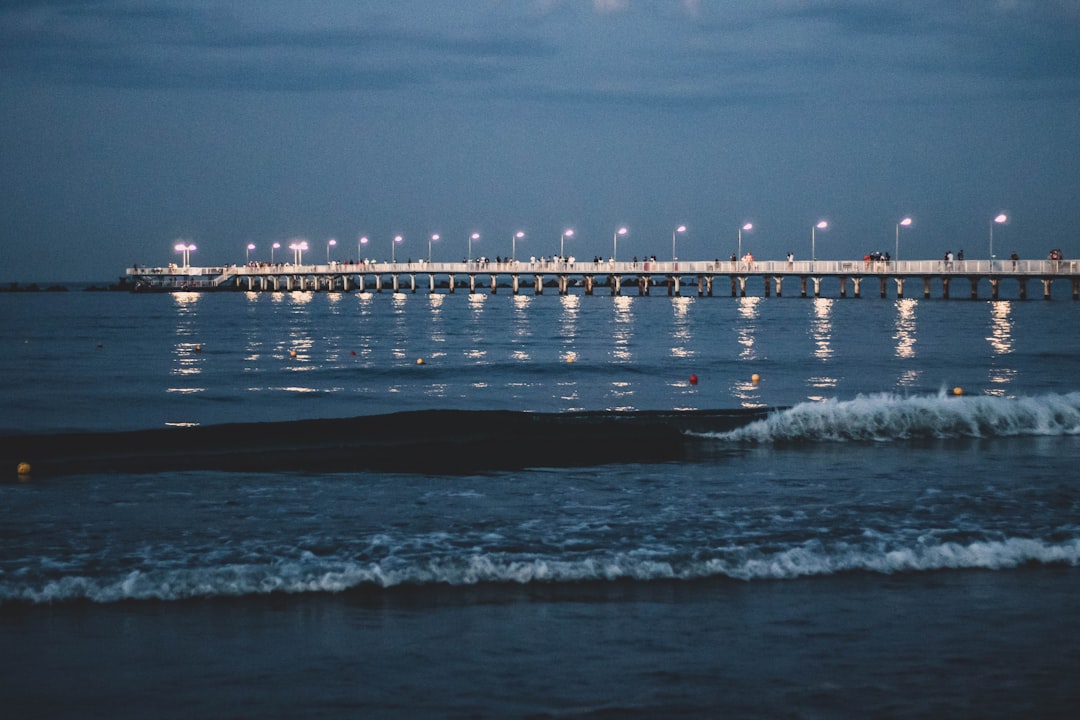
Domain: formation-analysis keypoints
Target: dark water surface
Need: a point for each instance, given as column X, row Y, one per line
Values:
column 848, row 539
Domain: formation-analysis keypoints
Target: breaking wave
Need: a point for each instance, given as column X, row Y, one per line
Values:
column 886, row 417
column 313, row 575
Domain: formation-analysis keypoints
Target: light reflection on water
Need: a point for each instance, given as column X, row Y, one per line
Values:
column 680, row 333
column 821, row 330
column 905, row 337
column 1001, row 345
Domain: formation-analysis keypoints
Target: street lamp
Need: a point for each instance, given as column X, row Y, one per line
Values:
column 906, row 222
column 273, row 247
column 393, row 248
column 680, row 229
column 748, row 227
column 474, row 236
column 513, row 244
column 1001, row 219
column 822, row 224
column 329, row 244
column 298, row 249
column 432, row 239
column 185, row 249
column 247, row 255
column 615, row 243
column 360, row 247
column 562, row 241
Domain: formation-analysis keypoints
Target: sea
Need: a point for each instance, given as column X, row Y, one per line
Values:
column 379, row 505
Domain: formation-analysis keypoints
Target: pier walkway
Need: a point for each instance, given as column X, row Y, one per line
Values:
column 961, row 278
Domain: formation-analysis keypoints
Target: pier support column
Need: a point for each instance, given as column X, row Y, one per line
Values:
column 734, row 286
column 843, row 286
column 945, row 287
column 360, row 282
column 1046, row 288
column 700, row 285
column 539, row 284
column 616, row 284
column 515, row 283
column 926, row 288
column 974, row 288
column 817, row 286
column 588, row 284
column 708, row 285
column 802, row 285
column 378, row 283
column 899, row 288
column 766, row 279
column 1023, row 288
column 451, row 284
column 994, row 283
column 742, row 286
column 396, row 281
column 884, row 286
column 494, row 284
column 564, row 283
column 1076, row 288
column 472, row 283
column 779, row 285
column 412, row 282
column 431, row 283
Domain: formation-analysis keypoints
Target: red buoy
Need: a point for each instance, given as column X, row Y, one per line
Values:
column 693, row 379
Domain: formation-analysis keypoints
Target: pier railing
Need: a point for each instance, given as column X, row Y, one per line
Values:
column 218, row 275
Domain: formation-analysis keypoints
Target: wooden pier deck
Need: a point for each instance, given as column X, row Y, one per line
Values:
column 960, row 279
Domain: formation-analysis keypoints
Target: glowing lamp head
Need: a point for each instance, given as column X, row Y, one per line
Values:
column 568, row 233
column 906, row 222
column 180, row 247
column 519, row 234
column 748, row 226
column 251, row 246
column 622, row 231
column 475, row 236
column 681, row 228
column 822, row 225
column 1001, row 219
column 332, row 242
column 364, row 240
column 435, row 237
column 397, row 238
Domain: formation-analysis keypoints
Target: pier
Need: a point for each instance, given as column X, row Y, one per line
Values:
column 805, row 278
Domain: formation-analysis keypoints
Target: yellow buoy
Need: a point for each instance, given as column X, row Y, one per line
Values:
column 23, row 468
column 292, row 353
column 958, row 390
column 419, row 361
column 755, row 378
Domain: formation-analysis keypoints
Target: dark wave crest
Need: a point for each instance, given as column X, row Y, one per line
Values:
column 439, row 441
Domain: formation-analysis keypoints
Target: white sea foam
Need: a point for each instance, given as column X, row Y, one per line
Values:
column 806, row 560
column 884, row 417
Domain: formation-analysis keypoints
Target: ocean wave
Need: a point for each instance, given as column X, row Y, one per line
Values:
column 885, row 417
column 312, row 575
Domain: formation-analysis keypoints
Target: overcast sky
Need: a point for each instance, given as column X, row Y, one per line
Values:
column 128, row 124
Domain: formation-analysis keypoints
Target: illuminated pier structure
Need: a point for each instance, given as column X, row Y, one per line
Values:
column 954, row 279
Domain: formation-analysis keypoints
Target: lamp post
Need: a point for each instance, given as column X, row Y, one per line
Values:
column 474, row 236
column 360, row 247
column 513, row 244
column 185, row 249
column 906, row 222
column 433, row 238
column 562, row 241
column 247, row 255
column 329, row 244
column 1001, row 219
column 273, row 247
column 748, row 227
column 680, row 229
column 298, row 249
column 615, row 243
column 821, row 225
column 393, row 248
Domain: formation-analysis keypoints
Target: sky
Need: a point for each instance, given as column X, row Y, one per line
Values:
column 130, row 124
